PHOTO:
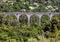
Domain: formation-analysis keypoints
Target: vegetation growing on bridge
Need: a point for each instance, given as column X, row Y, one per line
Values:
column 11, row 30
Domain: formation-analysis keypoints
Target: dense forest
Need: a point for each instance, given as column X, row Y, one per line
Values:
column 17, row 30
column 13, row 30
column 30, row 5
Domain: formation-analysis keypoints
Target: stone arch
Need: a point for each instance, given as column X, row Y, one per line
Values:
column 55, row 16
column 55, row 21
column 2, row 18
column 34, row 20
column 44, row 18
column 12, row 17
column 17, row 15
column 23, row 19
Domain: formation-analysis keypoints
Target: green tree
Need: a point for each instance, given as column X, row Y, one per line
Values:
column 34, row 20
column 23, row 19
column 41, row 8
column 16, row 6
column 45, row 18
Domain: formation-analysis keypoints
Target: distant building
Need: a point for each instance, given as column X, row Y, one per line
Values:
column 31, row 7
column 36, row 4
column 49, row 7
column 4, row 0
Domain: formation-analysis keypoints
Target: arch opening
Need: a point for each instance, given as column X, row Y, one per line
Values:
column 34, row 20
column 45, row 18
column 12, row 20
column 23, row 19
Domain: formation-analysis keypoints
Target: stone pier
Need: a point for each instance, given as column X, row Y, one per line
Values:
column 29, row 14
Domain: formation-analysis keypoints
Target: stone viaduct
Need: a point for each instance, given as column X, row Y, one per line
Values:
column 29, row 14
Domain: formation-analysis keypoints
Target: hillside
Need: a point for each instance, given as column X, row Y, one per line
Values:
column 30, row 6
column 12, row 30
